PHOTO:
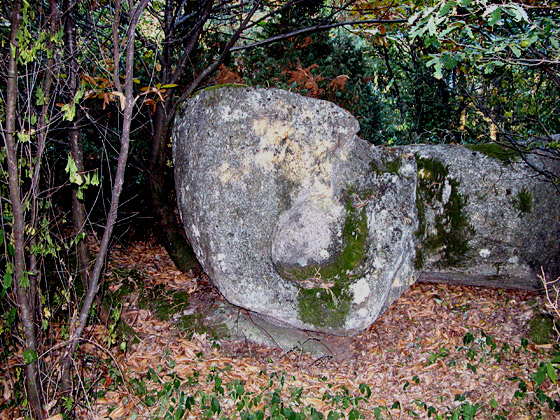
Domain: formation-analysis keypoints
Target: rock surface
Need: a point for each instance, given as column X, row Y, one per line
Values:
column 484, row 217
column 294, row 217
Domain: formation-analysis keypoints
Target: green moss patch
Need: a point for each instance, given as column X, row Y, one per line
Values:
column 391, row 167
column 124, row 282
column 327, row 305
column 195, row 323
column 163, row 302
column 216, row 87
column 326, row 308
column 496, row 151
column 353, row 252
column 541, row 329
column 452, row 228
column 523, row 201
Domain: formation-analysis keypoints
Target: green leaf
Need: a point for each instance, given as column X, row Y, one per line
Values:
column 437, row 70
column 466, row 3
column 169, row 86
column 40, row 95
column 67, row 403
column 215, row 405
column 515, row 50
column 493, row 403
column 540, row 375
column 353, row 414
column 69, row 111
column 24, row 281
column 551, row 372
column 432, row 29
column 23, row 137
column 517, row 12
column 447, row 7
column 79, row 94
column 239, row 389
column 366, row 390
column 333, row 415
column 72, row 170
column 450, row 63
column 7, row 282
column 29, row 356
column 554, row 42
column 496, row 16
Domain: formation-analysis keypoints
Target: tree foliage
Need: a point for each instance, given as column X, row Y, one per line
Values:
column 508, row 57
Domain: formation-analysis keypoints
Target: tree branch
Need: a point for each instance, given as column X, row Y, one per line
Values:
column 313, row 29
column 214, row 66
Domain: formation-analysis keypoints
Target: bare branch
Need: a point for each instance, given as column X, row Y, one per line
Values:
column 313, row 29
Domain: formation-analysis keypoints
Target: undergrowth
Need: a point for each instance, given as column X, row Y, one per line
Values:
column 214, row 394
column 165, row 392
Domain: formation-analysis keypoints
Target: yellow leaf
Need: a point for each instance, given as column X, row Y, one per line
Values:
column 118, row 412
column 122, row 98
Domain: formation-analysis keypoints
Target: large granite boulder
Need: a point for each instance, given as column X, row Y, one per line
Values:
column 296, row 218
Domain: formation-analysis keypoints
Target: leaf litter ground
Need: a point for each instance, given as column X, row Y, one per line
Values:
column 438, row 350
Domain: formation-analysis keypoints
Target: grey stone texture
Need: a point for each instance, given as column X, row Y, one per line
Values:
column 488, row 219
column 296, row 218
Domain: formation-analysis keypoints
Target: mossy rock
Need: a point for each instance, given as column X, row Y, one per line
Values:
column 452, row 229
column 328, row 304
column 216, row 87
column 541, row 329
column 523, row 201
column 495, row 151
column 325, row 308
column 386, row 167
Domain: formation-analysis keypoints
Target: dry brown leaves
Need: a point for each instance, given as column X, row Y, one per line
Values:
column 304, row 78
column 413, row 353
column 226, row 75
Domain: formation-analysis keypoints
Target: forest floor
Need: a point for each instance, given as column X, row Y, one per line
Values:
column 439, row 352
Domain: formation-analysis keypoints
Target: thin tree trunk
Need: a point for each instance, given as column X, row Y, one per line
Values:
column 76, row 149
column 96, row 275
column 32, row 382
column 169, row 230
